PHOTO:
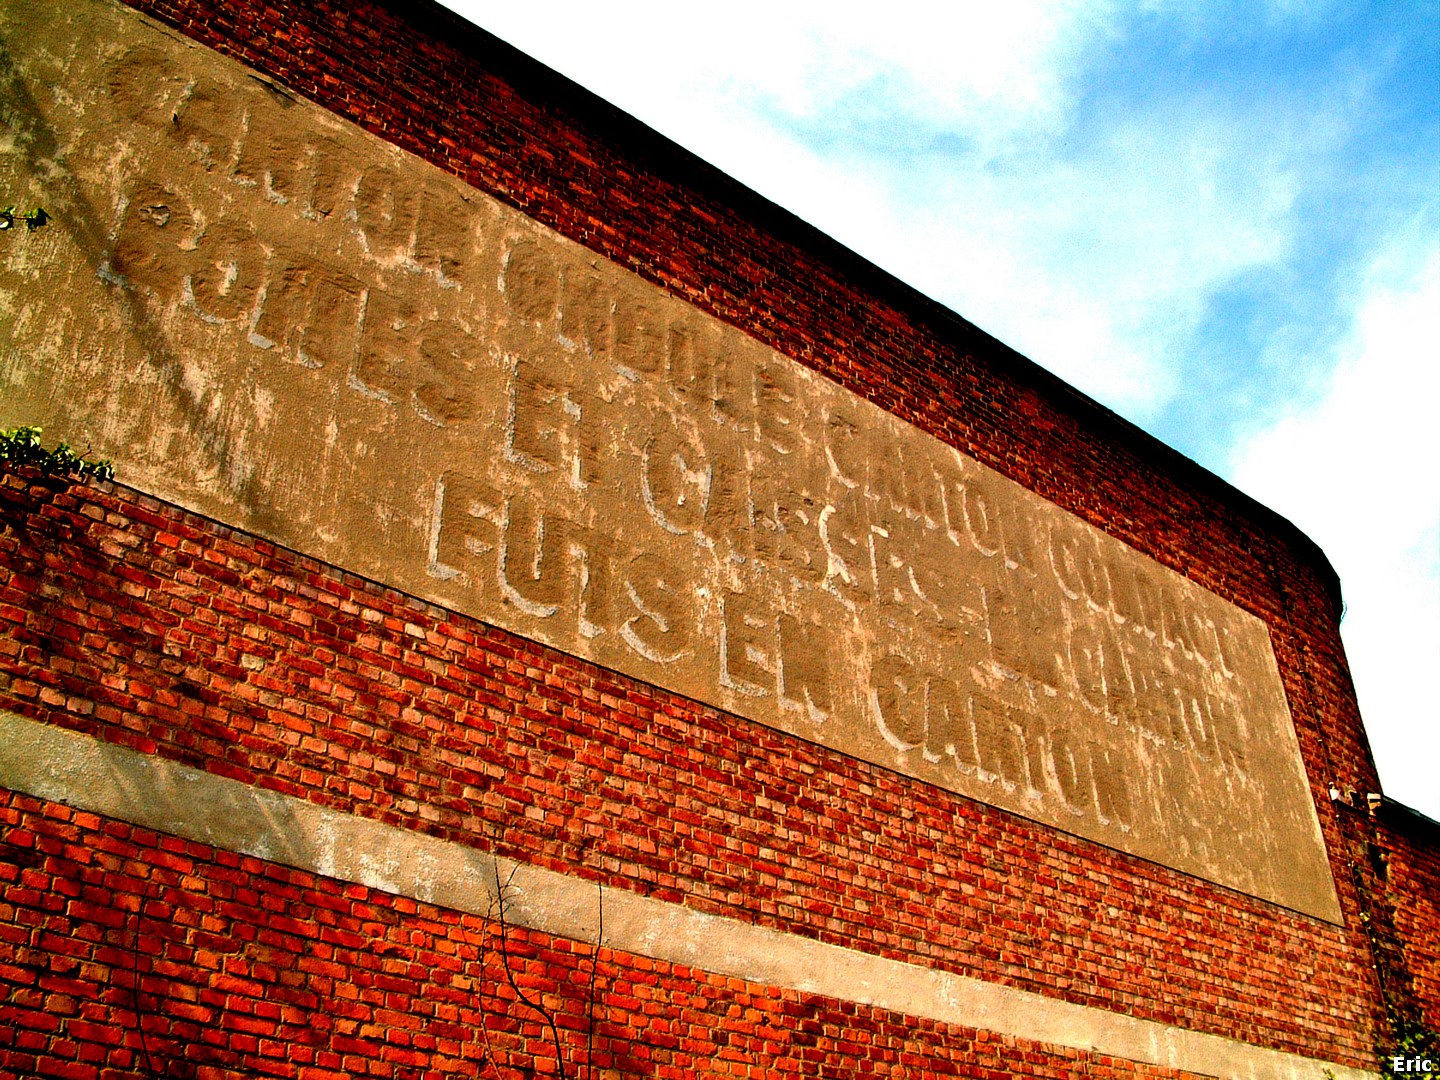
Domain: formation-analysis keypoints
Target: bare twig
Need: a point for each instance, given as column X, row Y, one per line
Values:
column 484, row 1027
column 135, row 990
column 590, row 992
column 544, row 1014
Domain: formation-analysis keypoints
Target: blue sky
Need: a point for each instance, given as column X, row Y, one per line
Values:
column 1221, row 220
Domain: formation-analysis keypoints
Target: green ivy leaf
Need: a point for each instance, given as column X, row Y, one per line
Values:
column 20, row 446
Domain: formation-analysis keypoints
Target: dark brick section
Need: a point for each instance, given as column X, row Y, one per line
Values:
column 163, row 631
column 1407, row 862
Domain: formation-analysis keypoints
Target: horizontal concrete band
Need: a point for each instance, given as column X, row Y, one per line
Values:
column 81, row 771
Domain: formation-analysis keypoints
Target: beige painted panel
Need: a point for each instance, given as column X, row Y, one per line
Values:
column 267, row 315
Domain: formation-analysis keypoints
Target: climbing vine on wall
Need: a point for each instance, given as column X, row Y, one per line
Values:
column 21, row 446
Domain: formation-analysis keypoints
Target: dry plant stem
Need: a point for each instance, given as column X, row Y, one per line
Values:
column 485, row 1027
column 590, row 992
column 510, row 973
column 135, row 990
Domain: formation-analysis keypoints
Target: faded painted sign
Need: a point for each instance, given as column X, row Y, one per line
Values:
column 267, row 315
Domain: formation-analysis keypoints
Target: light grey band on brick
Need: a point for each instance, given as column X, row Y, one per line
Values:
column 81, row 771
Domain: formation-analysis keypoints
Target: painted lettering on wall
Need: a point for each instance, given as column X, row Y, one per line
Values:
column 282, row 321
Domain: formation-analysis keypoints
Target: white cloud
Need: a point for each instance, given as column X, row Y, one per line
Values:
column 1094, row 262
column 1358, row 472
column 1097, row 265
column 1002, row 65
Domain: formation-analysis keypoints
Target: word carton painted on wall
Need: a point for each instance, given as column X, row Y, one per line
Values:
column 279, row 320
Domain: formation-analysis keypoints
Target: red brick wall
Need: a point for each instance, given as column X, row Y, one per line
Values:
column 170, row 634
column 130, row 620
column 252, row 969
